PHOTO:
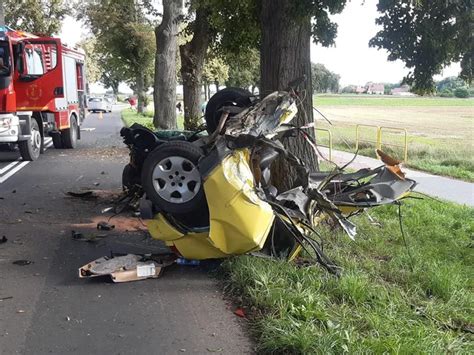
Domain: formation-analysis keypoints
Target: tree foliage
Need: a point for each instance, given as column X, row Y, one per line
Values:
column 323, row 79
column 244, row 69
column 426, row 35
column 125, row 36
column 215, row 69
column 41, row 17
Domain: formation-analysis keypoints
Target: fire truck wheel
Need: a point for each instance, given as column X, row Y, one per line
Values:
column 57, row 141
column 69, row 135
column 31, row 148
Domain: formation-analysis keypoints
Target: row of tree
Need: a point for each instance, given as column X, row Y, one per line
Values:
column 129, row 35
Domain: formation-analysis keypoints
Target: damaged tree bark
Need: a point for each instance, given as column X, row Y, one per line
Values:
column 192, row 61
column 285, row 56
column 164, row 94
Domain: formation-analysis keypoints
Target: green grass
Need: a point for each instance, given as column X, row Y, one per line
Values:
column 130, row 117
column 394, row 101
column 382, row 303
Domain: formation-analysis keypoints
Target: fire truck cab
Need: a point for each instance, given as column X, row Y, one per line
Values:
column 42, row 92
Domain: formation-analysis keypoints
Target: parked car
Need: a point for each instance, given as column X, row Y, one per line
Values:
column 96, row 104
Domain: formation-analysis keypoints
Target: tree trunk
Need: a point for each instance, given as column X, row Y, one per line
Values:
column 141, row 93
column 206, row 86
column 192, row 61
column 164, row 93
column 285, row 56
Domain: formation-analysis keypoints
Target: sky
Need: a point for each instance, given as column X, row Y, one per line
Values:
column 351, row 56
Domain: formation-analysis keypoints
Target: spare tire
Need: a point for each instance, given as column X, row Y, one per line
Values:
column 171, row 179
column 226, row 97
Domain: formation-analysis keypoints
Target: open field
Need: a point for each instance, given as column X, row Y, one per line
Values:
column 441, row 130
column 389, row 299
column 388, row 100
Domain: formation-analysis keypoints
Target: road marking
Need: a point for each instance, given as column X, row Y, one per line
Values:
column 5, row 169
column 11, row 169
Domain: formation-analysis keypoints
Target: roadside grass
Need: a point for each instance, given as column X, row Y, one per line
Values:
column 130, row 117
column 385, row 301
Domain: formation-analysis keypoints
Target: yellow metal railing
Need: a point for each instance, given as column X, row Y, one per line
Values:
column 329, row 145
column 405, row 140
column 378, row 138
column 358, row 139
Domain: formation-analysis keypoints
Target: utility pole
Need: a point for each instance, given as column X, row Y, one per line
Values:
column 2, row 14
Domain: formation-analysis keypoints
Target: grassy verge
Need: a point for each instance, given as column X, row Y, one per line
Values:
column 383, row 303
column 130, row 117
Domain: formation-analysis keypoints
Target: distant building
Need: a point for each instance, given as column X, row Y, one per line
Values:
column 375, row 89
column 360, row 90
column 403, row 90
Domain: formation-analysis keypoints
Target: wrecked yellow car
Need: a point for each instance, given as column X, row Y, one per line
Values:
column 211, row 195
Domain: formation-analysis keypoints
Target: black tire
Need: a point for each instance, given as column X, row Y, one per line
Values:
column 30, row 149
column 130, row 177
column 178, row 187
column 69, row 135
column 226, row 97
column 57, row 141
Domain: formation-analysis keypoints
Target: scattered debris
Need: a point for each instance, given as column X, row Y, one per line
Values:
column 107, row 209
column 22, row 262
column 94, row 238
column 239, row 312
column 20, row 311
column 96, row 183
column 105, row 226
column 84, row 194
column 6, row 298
column 217, row 350
column 125, row 268
column 3, row 240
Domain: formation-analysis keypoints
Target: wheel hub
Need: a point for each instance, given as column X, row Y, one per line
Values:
column 176, row 179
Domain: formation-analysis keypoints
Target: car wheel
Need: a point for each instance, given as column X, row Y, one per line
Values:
column 171, row 179
column 226, row 97
column 30, row 149
column 69, row 135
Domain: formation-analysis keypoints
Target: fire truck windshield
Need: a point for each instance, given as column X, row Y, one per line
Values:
column 4, row 59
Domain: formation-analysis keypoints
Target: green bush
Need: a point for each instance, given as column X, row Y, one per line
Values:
column 446, row 93
column 462, row 93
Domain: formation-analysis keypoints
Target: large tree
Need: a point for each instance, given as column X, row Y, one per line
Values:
column 192, row 54
column 166, row 35
column 287, row 27
column 125, row 33
column 427, row 35
column 41, row 17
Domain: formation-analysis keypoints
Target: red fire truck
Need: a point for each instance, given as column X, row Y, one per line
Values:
column 42, row 92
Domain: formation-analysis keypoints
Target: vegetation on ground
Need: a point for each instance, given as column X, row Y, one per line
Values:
column 391, row 298
column 130, row 117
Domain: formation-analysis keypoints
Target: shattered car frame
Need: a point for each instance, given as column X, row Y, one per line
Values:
column 237, row 210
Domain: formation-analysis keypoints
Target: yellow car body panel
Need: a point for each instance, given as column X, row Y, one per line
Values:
column 239, row 220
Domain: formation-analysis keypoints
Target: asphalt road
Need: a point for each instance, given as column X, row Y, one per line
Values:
column 46, row 309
